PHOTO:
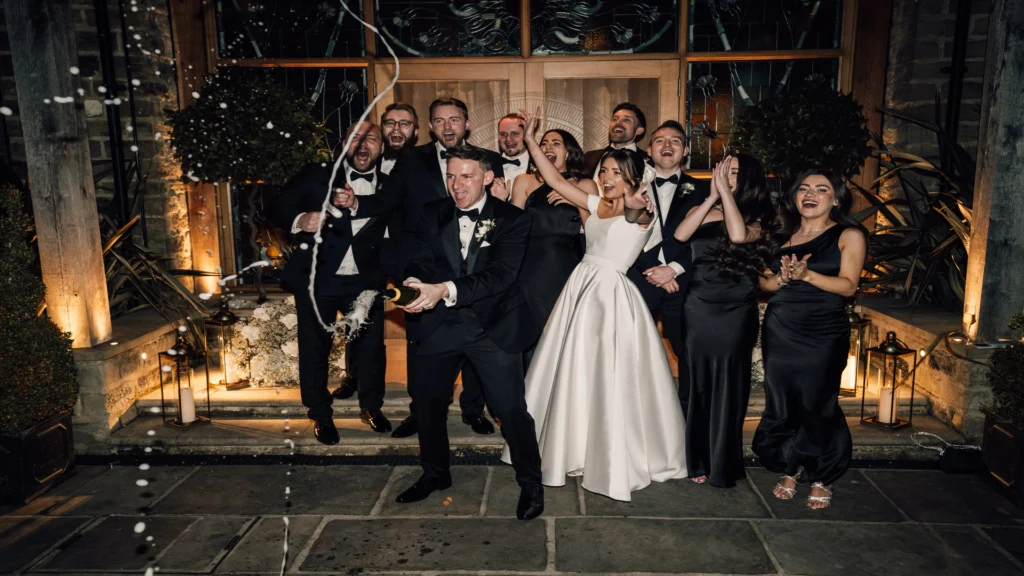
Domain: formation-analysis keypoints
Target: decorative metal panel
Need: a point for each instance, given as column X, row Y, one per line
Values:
column 288, row 29
column 434, row 28
column 722, row 25
column 603, row 26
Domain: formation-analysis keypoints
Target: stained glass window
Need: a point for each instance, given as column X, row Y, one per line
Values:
column 603, row 27
column 722, row 25
column 288, row 29
column 425, row 28
column 718, row 91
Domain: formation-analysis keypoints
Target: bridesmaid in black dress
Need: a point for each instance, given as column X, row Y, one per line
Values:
column 803, row 433
column 720, row 317
column 554, row 248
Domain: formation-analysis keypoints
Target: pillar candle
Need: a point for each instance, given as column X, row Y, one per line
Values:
column 888, row 405
column 188, row 406
column 849, row 380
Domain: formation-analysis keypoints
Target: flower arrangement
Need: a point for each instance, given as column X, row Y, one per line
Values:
column 483, row 227
column 267, row 346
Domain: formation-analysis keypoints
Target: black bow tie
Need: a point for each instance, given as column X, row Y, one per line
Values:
column 353, row 176
column 610, row 149
column 473, row 214
column 444, row 154
column 512, row 161
column 673, row 179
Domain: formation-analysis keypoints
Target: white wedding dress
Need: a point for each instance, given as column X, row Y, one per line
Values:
column 599, row 387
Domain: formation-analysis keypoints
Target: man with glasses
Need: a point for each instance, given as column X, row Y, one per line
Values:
column 418, row 179
column 400, row 125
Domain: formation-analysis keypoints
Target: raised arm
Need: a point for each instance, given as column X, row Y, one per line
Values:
column 547, row 170
column 695, row 217
column 739, row 231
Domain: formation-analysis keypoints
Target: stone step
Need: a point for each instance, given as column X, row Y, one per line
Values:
column 285, row 436
column 275, row 402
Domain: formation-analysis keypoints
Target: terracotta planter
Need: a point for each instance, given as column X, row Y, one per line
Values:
column 1002, row 448
column 36, row 459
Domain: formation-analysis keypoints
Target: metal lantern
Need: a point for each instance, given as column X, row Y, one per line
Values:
column 176, row 367
column 858, row 337
column 222, row 327
column 895, row 370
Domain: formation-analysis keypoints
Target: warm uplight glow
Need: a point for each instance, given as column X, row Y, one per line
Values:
column 849, row 380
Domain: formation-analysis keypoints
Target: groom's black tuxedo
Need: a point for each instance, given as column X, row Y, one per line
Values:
column 365, row 354
column 657, row 299
column 488, row 327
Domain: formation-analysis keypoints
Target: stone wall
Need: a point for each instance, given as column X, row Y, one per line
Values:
column 920, row 48
column 151, row 61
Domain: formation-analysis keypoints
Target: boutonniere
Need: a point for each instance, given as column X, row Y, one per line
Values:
column 483, row 227
column 685, row 188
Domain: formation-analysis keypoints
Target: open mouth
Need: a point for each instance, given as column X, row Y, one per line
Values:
column 809, row 204
column 397, row 138
column 667, row 152
column 608, row 187
column 618, row 130
column 449, row 135
column 550, row 157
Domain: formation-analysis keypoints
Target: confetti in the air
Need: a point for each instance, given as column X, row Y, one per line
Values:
column 64, row 99
column 142, row 482
column 74, row 70
column 140, row 527
column 6, row 111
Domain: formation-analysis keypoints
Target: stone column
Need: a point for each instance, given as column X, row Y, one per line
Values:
column 995, row 271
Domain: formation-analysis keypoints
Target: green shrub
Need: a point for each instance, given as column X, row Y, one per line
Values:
column 37, row 369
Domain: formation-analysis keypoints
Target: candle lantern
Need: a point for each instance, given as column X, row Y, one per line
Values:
column 890, row 367
column 176, row 369
column 221, row 327
column 858, row 336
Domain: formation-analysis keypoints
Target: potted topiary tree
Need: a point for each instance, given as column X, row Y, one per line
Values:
column 813, row 125
column 1002, row 444
column 38, row 387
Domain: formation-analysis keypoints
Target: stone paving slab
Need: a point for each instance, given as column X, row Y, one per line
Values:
column 430, row 544
column 466, row 493
column 852, row 549
column 503, row 496
column 1011, row 539
column 117, row 491
column 856, row 500
column 22, row 540
column 682, row 499
column 255, row 490
column 80, row 477
column 204, row 543
column 932, row 496
column 113, row 545
column 641, row 545
column 262, row 549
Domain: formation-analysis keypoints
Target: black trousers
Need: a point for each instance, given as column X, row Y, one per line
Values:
column 334, row 294
column 471, row 401
column 463, row 343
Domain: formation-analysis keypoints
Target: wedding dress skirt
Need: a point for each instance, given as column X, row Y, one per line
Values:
column 600, row 388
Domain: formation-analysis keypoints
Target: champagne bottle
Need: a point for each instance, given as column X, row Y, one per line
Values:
column 401, row 295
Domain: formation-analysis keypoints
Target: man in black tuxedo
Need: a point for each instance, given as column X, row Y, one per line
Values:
column 419, row 178
column 660, row 270
column 465, row 259
column 348, row 262
column 626, row 128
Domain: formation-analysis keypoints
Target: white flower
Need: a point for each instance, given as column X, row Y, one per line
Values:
column 251, row 333
column 260, row 314
column 289, row 321
column 649, row 175
column 291, row 348
column 686, row 188
column 483, row 227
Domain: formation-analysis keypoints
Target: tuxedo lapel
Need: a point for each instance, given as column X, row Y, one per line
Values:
column 433, row 168
column 449, row 228
column 487, row 213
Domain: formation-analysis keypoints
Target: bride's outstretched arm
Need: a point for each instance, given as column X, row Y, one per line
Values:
column 547, row 170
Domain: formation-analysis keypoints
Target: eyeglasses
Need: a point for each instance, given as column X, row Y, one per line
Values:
column 403, row 124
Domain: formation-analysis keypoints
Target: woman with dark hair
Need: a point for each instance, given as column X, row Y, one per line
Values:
column 720, row 317
column 554, row 249
column 600, row 388
column 803, row 433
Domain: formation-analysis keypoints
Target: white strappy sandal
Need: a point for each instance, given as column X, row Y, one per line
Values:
column 789, row 492
column 826, row 499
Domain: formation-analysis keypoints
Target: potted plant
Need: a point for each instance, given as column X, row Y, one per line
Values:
column 38, row 387
column 1002, row 444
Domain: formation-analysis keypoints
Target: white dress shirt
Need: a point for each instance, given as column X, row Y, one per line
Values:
column 511, row 170
column 361, row 187
column 387, row 164
column 467, row 226
column 666, row 194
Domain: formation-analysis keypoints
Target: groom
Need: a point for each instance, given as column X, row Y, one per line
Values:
column 464, row 260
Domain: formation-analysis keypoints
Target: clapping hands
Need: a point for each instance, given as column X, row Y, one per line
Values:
column 793, row 268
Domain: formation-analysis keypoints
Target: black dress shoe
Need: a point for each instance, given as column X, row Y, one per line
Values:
column 531, row 503
column 480, row 424
column 345, row 391
column 423, row 488
column 408, row 427
column 326, row 432
column 376, row 419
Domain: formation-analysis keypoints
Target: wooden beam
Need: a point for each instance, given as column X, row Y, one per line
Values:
column 190, row 20
column 868, row 82
column 737, row 55
column 995, row 265
column 848, row 41
column 525, row 46
column 60, row 175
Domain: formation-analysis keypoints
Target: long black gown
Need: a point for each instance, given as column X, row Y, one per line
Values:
column 552, row 253
column 805, row 343
column 720, row 330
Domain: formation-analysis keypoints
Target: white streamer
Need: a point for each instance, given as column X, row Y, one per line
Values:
column 334, row 326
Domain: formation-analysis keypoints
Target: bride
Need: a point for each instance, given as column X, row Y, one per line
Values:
column 599, row 387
